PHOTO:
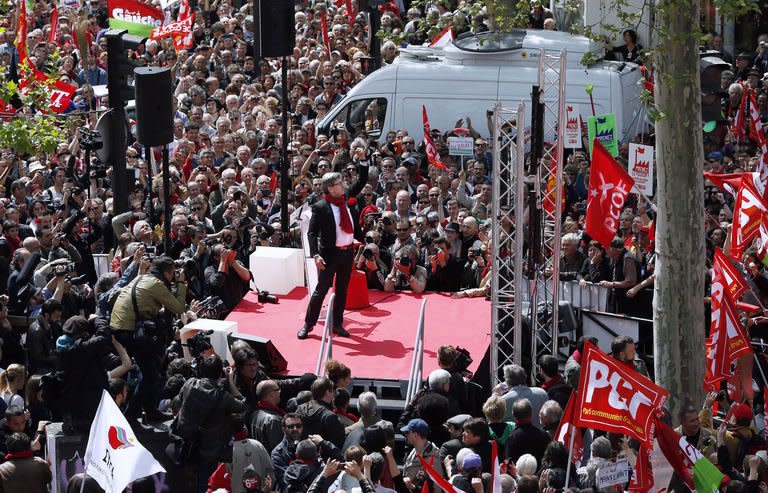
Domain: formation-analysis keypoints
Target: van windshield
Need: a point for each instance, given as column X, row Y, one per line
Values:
column 363, row 116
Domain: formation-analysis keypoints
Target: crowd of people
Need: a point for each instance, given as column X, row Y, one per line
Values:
column 72, row 324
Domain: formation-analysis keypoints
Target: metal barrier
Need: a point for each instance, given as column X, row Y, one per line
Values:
column 589, row 296
column 326, row 341
column 417, row 360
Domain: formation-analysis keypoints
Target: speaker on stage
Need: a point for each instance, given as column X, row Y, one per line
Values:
column 154, row 110
column 269, row 357
column 275, row 28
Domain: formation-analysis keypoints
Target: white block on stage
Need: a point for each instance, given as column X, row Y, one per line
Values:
column 277, row 270
column 221, row 329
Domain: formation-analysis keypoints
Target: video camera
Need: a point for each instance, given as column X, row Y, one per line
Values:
column 199, row 343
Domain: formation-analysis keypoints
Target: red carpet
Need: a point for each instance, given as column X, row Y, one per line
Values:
column 382, row 335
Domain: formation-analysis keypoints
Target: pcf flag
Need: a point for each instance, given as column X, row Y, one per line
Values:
column 614, row 397
column 609, row 186
column 747, row 212
column 433, row 156
column 113, row 456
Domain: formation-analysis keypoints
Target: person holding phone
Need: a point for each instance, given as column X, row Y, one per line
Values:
column 406, row 273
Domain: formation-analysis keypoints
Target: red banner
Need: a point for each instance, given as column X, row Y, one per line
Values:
column 747, row 214
column 642, row 475
column 727, row 182
column 609, row 186
column 61, row 92
column 21, row 35
column 433, row 156
column 178, row 29
column 615, row 398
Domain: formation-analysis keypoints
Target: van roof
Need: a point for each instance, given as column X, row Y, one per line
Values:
column 518, row 45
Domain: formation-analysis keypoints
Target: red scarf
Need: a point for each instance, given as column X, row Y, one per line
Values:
column 552, row 381
column 268, row 406
column 346, row 414
column 346, row 219
column 23, row 454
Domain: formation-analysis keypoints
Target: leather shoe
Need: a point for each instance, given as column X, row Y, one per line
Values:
column 304, row 332
column 341, row 332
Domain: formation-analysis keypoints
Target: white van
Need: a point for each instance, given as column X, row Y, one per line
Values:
column 470, row 76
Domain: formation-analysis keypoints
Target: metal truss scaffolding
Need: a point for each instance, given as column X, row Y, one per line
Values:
column 507, row 237
column 527, row 300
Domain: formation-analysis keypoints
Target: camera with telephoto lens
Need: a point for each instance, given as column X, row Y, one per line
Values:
column 405, row 261
column 265, row 297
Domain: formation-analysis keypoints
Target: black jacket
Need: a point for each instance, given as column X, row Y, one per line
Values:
column 319, row 419
column 206, row 417
column 322, row 226
column 527, row 439
column 84, row 375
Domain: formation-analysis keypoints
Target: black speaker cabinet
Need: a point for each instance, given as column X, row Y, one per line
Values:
column 275, row 27
column 154, row 108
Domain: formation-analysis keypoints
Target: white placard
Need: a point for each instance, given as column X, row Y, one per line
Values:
column 572, row 128
column 461, row 146
column 613, row 473
column 641, row 168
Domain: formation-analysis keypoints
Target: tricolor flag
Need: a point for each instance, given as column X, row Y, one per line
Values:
column 113, row 457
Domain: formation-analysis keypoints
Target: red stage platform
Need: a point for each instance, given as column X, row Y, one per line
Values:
column 382, row 335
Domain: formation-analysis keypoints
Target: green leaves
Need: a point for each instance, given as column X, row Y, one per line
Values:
column 32, row 134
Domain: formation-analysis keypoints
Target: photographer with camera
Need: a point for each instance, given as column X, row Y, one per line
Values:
column 406, row 273
column 21, row 289
column 135, row 322
column 226, row 276
column 369, row 261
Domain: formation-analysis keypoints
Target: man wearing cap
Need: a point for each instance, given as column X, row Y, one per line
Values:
column 140, row 301
column 331, row 237
column 417, row 435
column 743, row 62
column 455, row 427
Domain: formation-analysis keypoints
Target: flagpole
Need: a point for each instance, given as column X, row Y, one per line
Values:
column 85, row 469
column 570, row 456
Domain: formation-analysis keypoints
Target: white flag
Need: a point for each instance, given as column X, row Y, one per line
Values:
column 114, row 457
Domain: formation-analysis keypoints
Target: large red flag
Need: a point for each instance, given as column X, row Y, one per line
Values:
column 433, row 156
column 609, row 186
column 616, row 398
column 747, row 214
column 727, row 182
column 566, row 427
column 61, row 92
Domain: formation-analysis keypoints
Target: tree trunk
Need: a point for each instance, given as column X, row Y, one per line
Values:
column 678, row 310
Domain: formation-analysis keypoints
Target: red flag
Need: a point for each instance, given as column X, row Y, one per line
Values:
column 180, row 31
column 436, row 477
column 495, row 468
column 642, row 475
column 727, row 275
column 184, row 10
column 52, row 35
column 324, row 30
column 350, row 12
column 609, row 186
column 548, row 202
column 186, row 168
column 565, row 429
column 21, row 34
column 61, row 92
column 614, row 397
column 433, row 156
column 273, row 181
column 740, row 121
column 727, row 182
column 673, row 447
column 747, row 214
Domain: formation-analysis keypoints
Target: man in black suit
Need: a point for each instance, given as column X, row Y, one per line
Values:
column 331, row 236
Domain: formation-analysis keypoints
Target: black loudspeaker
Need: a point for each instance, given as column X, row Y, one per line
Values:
column 275, row 28
column 154, row 108
column 269, row 357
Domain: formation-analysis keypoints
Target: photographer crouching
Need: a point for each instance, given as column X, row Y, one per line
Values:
column 144, row 334
column 226, row 276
